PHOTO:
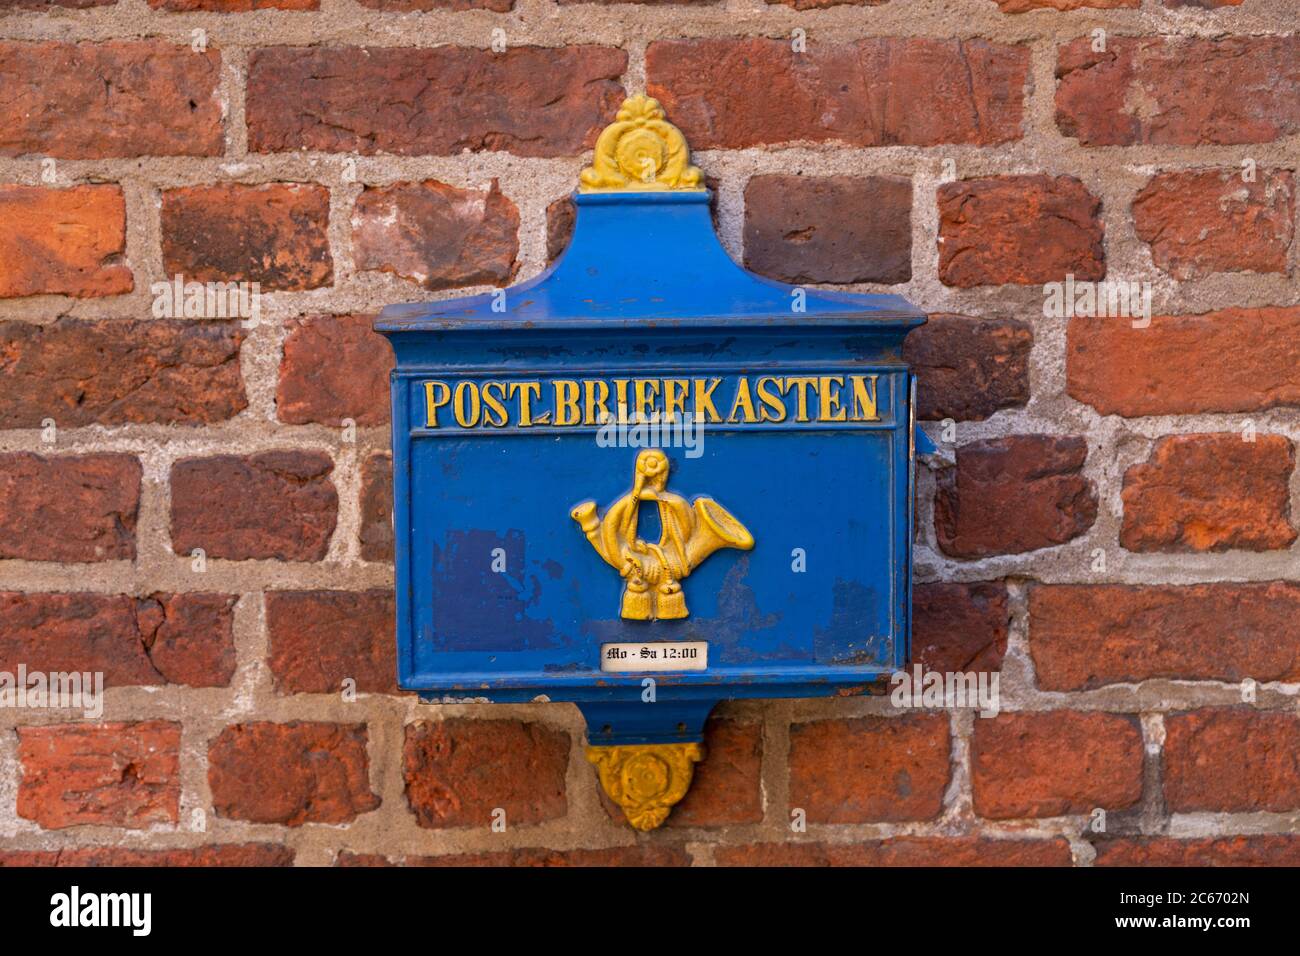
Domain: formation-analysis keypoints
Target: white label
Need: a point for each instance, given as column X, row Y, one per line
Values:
column 655, row 656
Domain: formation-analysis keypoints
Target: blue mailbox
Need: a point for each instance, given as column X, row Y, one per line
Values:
column 648, row 480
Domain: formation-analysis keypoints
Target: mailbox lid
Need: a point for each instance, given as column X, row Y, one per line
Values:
column 648, row 259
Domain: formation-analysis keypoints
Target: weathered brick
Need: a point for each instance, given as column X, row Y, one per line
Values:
column 561, row 216
column 275, row 234
column 1038, row 478
column 1022, row 230
column 276, row 504
column 376, row 531
column 63, row 241
column 829, row 229
column 117, row 373
column 1199, row 222
column 1210, row 493
column 117, row 774
column 969, row 368
column 1263, row 850
column 868, row 769
column 1235, row 760
column 1254, row 355
column 901, row 851
column 437, row 235
column 217, row 854
column 458, row 771
column 160, row 639
column 885, row 91
column 1184, row 91
column 1054, row 763
column 290, row 774
column 115, row 98
column 532, row 101
column 636, row 855
column 69, row 507
column 960, row 627
column 334, row 367
column 319, row 639
column 1083, row 636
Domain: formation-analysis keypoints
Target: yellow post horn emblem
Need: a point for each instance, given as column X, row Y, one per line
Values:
column 689, row 534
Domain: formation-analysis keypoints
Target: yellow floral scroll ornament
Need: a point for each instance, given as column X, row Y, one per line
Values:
column 640, row 152
column 646, row 780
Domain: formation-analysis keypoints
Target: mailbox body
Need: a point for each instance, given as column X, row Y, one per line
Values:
column 500, row 596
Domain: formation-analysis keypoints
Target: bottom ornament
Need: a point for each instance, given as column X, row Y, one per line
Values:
column 646, row 780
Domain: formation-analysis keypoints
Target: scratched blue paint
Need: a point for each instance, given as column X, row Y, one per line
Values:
column 678, row 308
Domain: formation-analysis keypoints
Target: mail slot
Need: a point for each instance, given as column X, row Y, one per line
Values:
column 648, row 480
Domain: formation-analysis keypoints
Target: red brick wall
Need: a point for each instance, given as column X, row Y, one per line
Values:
column 1109, row 541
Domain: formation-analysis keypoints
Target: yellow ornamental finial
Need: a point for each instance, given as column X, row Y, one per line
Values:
column 641, row 151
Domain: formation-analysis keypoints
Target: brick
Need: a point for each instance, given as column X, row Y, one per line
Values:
column 318, row 639
column 117, row 774
column 276, row 504
column 967, row 368
column 160, row 639
column 334, row 367
column 841, row 229
column 63, row 241
column 458, row 771
column 437, row 235
column 457, row 6
column 118, row 373
column 901, row 851
column 275, row 234
column 1024, row 6
column 115, row 98
column 531, row 101
column 960, row 627
column 1234, row 760
column 1055, row 763
column 560, row 218
column 376, row 531
column 1022, row 230
column 1254, row 355
column 887, row 91
column 1200, row 222
column 69, row 507
column 1210, row 493
column 1083, row 636
column 1038, row 478
column 726, row 788
column 219, row 854
column 1181, row 91
column 233, row 6
column 639, row 855
column 290, row 774
column 1264, row 850
column 870, row 769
